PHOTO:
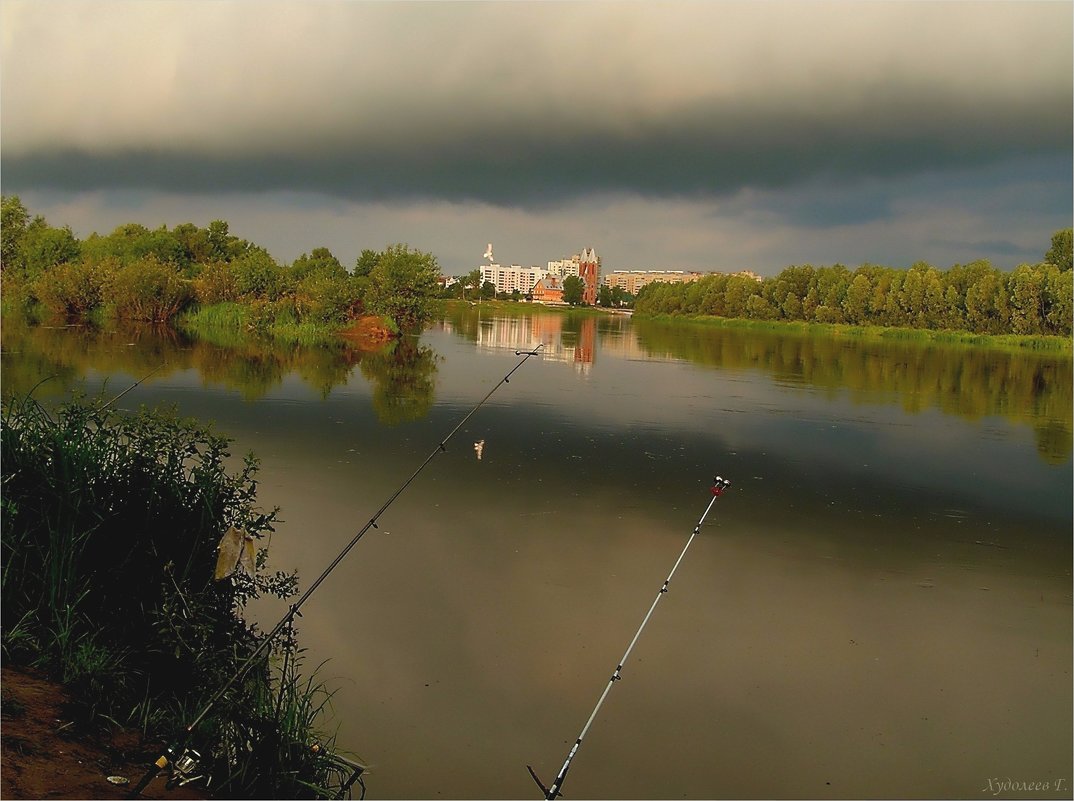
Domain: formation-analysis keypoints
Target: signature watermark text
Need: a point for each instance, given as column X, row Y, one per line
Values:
column 1005, row 785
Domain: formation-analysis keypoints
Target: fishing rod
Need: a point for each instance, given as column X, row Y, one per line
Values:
column 178, row 755
column 554, row 789
column 132, row 386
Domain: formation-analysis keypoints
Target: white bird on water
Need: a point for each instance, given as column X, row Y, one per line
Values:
column 479, row 446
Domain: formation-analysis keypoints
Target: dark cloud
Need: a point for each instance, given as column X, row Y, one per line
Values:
column 527, row 105
column 715, row 135
column 704, row 152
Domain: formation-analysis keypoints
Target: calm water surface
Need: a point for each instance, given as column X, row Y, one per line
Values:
column 881, row 606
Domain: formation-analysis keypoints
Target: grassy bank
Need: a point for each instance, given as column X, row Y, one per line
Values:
column 111, row 585
column 1009, row 342
column 231, row 324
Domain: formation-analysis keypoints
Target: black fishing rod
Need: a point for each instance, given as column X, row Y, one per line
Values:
column 554, row 789
column 178, row 755
column 132, row 386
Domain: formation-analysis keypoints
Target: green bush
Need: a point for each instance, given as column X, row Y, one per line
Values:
column 325, row 298
column 109, row 533
column 216, row 283
column 72, row 289
column 148, row 290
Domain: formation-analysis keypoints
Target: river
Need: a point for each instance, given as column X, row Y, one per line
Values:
column 881, row 606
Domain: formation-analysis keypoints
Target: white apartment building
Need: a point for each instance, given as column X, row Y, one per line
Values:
column 509, row 279
column 565, row 267
column 633, row 280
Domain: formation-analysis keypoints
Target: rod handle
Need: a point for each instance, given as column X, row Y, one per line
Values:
column 150, row 774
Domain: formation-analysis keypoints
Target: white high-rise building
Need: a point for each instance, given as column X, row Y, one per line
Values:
column 564, row 267
column 510, row 279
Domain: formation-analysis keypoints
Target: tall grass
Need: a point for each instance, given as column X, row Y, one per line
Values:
column 1038, row 343
column 109, row 534
column 231, row 324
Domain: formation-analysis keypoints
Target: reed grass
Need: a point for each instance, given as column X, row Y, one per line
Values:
column 109, row 533
column 1008, row 342
column 231, row 324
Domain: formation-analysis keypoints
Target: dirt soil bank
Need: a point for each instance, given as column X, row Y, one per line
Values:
column 367, row 333
column 41, row 757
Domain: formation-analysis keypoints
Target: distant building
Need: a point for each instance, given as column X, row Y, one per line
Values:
column 510, row 279
column 548, row 290
column 565, row 267
column 749, row 274
column 589, row 272
column 633, row 280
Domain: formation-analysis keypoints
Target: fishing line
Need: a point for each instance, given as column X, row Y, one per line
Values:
column 171, row 752
column 553, row 790
column 132, row 386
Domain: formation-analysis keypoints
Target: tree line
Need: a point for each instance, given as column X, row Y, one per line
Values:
column 144, row 274
column 1033, row 299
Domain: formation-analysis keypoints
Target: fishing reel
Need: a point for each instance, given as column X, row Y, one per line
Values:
column 184, row 769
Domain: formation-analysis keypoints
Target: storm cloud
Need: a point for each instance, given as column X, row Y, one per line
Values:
column 522, row 103
column 539, row 106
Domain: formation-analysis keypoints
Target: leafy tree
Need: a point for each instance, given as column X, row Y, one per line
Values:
column 488, row 290
column 1024, row 287
column 14, row 218
column 366, row 262
column 472, row 280
column 1059, row 300
column 220, row 240
column 738, row 290
column 856, row 302
column 133, row 242
column 403, row 286
column 321, row 262
column 986, row 302
column 325, row 298
column 42, row 246
column 1060, row 252
column 604, row 296
column 194, row 242
column 257, row 275
column 788, row 289
column 758, row 308
column 573, row 289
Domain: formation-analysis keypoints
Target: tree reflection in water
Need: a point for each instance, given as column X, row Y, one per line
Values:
column 56, row 358
column 971, row 382
column 403, row 376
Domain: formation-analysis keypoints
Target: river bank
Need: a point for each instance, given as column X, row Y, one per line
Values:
column 1008, row 342
column 46, row 756
column 137, row 606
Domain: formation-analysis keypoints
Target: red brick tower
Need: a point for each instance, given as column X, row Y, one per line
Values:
column 589, row 272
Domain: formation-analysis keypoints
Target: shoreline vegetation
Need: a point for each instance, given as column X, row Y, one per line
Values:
column 1008, row 342
column 129, row 605
column 208, row 279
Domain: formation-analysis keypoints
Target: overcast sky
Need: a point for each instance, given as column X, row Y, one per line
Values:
column 672, row 135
